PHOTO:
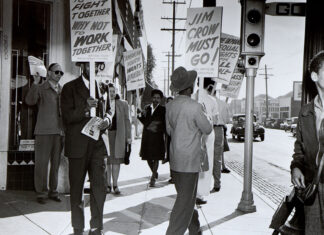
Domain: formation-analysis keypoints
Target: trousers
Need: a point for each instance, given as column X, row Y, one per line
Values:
column 183, row 213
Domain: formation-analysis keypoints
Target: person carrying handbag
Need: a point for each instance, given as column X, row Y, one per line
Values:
column 308, row 144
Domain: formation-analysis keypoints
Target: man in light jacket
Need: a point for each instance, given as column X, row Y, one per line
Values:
column 186, row 123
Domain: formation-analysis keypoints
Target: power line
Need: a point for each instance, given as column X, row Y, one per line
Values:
column 173, row 27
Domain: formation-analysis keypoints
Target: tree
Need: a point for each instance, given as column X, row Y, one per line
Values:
column 150, row 65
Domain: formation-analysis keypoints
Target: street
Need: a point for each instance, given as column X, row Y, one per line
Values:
column 271, row 161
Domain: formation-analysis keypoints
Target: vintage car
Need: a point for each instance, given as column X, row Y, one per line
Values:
column 238, row 127
column 293, row 126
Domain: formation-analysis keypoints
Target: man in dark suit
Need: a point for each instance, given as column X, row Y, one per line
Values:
column 48, row 131
column 85, row 154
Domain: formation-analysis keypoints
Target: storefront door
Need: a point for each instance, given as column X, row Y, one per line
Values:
column 30, row 37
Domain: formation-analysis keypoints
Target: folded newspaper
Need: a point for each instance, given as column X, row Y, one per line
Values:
column 91, row 128
column 37, row 66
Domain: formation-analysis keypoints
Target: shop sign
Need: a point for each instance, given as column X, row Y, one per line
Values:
column 91, row 30
column 286, row 9
column 134, row 69
column 203, row 28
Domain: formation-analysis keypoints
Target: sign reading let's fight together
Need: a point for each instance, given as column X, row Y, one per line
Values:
column 91, row 30
column 203, row 29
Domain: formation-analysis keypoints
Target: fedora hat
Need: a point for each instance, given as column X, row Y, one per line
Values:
column 181, row 79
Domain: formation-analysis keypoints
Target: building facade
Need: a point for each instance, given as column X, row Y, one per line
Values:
column 41, row 28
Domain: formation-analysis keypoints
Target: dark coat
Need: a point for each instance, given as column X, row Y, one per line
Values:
column 73, row 103
column 153, row 146
column 306, row 144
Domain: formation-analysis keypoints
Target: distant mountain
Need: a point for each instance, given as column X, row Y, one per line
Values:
column 262, row 96
column 289, row 94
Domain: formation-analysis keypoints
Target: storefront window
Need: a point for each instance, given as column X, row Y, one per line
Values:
column 30, row 37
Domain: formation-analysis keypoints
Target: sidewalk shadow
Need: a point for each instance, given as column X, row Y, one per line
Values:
column 142, row 216
column 15, row 203
column 133, row 189
column 231, row 216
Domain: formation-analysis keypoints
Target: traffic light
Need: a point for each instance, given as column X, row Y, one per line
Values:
column 252, row 31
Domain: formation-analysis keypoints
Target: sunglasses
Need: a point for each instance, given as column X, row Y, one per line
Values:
column 57, row 72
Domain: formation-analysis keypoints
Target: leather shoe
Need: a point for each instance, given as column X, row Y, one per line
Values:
column 116, row 190
column 226, row 170
column 41, row 200
column 55, row 198
column 200, row 201
column 96, row 232
column 215, row 189
column 171, row 181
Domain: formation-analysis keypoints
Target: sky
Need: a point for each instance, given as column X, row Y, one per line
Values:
column 283, row 43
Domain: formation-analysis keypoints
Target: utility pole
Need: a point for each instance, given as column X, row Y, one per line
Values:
column 266, row 84
column 173, row 28
column 168, row 81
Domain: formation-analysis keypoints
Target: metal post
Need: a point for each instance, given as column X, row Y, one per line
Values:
column 173, row 36
column 168, row 88
column 247, row 204
column 266, row 83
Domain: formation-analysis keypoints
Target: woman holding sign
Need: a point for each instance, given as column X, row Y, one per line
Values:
column 119, row 135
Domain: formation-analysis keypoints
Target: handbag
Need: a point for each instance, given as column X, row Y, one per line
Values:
column 307, row 195
column 128, row 150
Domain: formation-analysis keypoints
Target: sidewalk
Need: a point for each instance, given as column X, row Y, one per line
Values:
column 139, row 209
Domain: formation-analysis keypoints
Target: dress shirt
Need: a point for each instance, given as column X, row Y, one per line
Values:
column 210, row 104
column 224, row 116
column 153, row 109
column 86, row 82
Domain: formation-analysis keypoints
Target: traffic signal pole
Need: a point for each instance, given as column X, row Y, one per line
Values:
column 247, row 203
column 252, row 35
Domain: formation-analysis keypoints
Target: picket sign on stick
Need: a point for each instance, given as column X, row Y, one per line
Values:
column 92, row 85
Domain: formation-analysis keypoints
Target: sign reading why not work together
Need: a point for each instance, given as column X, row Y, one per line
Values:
column 203, row 28
column 91, row 30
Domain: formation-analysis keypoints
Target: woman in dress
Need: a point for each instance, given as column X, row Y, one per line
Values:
column 119, row 134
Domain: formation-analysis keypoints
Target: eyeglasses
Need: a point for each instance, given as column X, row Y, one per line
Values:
column 57, row 72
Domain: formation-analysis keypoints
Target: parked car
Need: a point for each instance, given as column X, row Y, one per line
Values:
column 286, row 124
column 293, row 126
column 238, row 127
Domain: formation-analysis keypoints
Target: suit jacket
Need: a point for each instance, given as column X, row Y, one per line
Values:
column 153, row 146
column 306, row 144
column 123, row 130
column 74, row 103
column 49, row 120
column 186, row 122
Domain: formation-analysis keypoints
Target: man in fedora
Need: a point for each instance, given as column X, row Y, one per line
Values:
column 186, row 123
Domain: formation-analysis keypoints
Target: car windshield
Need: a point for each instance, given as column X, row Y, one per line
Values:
column 242, row 119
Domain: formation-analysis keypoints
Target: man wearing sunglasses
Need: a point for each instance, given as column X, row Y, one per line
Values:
column 48, row 132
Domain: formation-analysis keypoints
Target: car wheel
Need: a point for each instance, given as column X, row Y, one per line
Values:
column 262, row 137
column 233, row 137
column 239, row 138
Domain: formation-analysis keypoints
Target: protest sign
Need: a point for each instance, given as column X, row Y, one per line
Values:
column 203, row 28
column 228, row 56
column 233, row 88
column 104, row 70
column 91, row 30
column 134, row 69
